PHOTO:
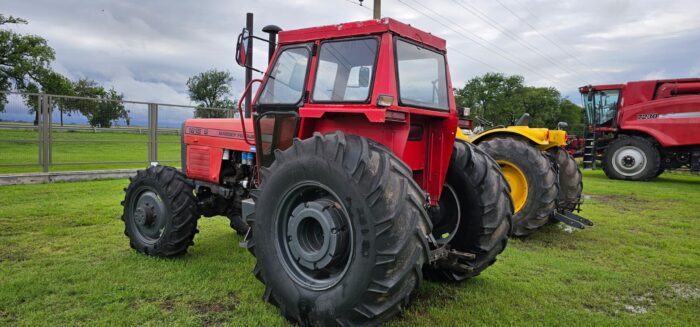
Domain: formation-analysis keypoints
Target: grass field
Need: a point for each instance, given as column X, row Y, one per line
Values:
column 65, row 261
column 107, row 148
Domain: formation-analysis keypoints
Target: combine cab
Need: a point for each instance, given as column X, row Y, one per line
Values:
column 347, row 180
column 641, row 129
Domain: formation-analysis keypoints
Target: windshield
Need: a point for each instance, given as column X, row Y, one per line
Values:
column 285, row 84
column 344, row 70
column 601, row 108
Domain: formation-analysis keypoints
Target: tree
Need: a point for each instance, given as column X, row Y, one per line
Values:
column 24, row 59
column 210, row 89
column 502, row 99
column 100, row 113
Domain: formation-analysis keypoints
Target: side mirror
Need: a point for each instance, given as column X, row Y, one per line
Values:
column 465, row 112
column 562, row 125
column 242, row 47
column 363, row 77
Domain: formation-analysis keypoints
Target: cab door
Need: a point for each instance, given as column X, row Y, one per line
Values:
column 276, row 111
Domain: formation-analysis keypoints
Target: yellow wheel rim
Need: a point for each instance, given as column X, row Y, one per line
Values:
column 517, row 181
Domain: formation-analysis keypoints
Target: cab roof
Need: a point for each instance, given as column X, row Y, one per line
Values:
column 361, row 28
column 604, row 87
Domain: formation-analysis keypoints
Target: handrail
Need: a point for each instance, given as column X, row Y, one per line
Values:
column 240, row 109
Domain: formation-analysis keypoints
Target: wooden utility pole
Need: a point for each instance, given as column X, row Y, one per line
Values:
column 377, row 9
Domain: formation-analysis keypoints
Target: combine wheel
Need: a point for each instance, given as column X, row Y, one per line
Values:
column 160, row 212
column 475, row 212
column 340, row 232
column 570, row 179
column 631, row 158
column 532, row 179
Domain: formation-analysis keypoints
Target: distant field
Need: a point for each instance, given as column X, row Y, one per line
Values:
column 12, row 151
column 64, row 260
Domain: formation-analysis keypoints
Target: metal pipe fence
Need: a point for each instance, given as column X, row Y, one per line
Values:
column 46, row 132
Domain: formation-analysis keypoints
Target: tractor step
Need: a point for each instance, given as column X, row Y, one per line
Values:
column 573, row 220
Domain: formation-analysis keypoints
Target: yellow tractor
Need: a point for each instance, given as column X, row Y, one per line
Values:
column 545, row 181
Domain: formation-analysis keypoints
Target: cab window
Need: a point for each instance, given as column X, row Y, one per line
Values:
column 345, row 70
column 421, row 76
column 285, row 84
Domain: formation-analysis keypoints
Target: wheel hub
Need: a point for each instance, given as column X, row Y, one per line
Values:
column 144, row 215
column 149, row 215
column 629, row 160
column 316, row 234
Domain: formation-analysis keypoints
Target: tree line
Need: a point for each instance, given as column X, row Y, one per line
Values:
column 498, row 99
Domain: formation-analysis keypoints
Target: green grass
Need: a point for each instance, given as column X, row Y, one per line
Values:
column 65, row 261
column 108, row 150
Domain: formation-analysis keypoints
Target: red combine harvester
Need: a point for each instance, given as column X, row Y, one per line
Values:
column 640, row 129
column 348, row 174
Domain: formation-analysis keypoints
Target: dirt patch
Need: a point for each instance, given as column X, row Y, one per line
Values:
column 10, row 253
column 638, row 304
column 215, row 313
column 682, row 291
column 167, row 304
column 620, row 202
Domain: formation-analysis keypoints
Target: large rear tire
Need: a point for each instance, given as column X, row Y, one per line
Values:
column 484, row 207
column 160, row 212
column 631, row 158
column 340, row 232
column 570, row 179
column 535, row 198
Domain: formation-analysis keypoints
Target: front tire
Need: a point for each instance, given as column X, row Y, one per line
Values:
column 570, row 180
column 532, row 180
column 340, row 233
column 485, row 208
column 160, row 212
column 631, row 158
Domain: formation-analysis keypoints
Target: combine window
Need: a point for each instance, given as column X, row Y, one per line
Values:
column 285, row 84
column 421, row 76
column 345, row 70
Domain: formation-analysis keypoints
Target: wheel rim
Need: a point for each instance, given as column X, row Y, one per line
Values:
column 446, row 221
column 629, row 161
column 149, row 214
column 517, row 181
column 314, row 235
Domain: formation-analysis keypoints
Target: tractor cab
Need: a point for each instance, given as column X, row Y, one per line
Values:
column 381, row 79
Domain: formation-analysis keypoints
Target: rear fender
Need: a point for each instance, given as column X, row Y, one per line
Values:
column 543, row 138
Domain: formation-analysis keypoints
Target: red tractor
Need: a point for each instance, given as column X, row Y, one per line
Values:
column 640, row 129
column 348, row 174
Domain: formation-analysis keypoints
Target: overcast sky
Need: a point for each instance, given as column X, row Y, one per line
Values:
column 148, row 49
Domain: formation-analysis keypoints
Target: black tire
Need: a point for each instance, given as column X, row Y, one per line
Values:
column 570, row 179
column 659, row 172
column 383, row 225
column 235, row 217
column 539, row 174
column 160, row 212
column 631, row 158
column 486, row 211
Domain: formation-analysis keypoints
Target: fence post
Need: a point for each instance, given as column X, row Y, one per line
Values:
column 152, row 132
column 39, row 130
column 45, row 126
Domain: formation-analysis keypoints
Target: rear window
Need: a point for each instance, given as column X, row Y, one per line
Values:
column 421, row 76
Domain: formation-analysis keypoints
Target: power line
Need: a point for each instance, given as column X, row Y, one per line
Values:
column 358, row 4
column 488, row 20
column 523, row 65
column 556, row 44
